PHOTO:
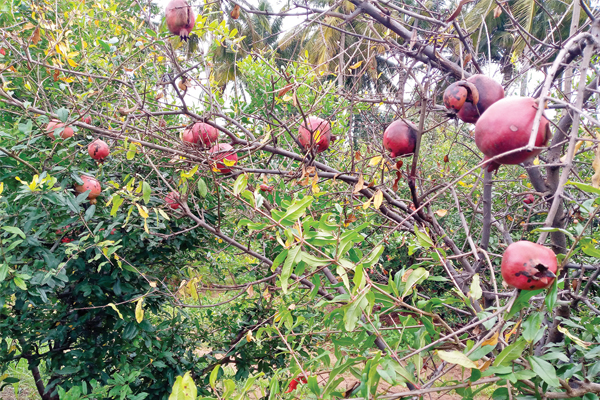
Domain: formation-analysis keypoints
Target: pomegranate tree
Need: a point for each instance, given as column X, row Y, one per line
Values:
column 98, row 150
column 223, row 152
column 470, row 98
column 60, row 128
column 200, row 132
column 315, row 131
column 528, row 266
column 180, row 18
column 400, row 138
column 172, row 200
column 89, row 183
column 506, row 126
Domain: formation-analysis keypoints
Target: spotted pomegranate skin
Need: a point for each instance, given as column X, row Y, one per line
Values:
column 506, row 126
column 455, row 96
column 200, row 132
column 98, row 150
column 319, row 130
column 180, row 18
column 400, row 138
column 489, row 92
column 56, row 124
column 528, row 266
column 224, row 152
column 89, row 183
column 172, row 200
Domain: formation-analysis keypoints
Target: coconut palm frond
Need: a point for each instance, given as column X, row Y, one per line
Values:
column 524, row 12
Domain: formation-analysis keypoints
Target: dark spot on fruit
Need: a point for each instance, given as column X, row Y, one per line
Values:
column 531, row 287
column 529, row 280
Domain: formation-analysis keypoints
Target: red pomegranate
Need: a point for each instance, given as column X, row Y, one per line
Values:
column 98, row 150
column 528, row 266
column 87, row 119
column 529, row 198
column 223, row 152
column 506, row 126
column 315, row 131
column 55, row 125
column 460, row 97
column 400, row 138
column 2, row 51
column 200, row 132
column 294, row 383
column 89, row 183
column 180, row 18
column 172, row 200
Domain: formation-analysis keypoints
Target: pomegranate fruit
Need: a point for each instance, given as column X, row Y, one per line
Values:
column 87, row 119
column 180, row 18
column 528, row 266
column 400, row 138
column 315, row 131
column 98, row 150
column 266, row 188
column 200, row 132
column 506, row 126
column 470, row 98
column 172, row 200
column 89, row 183
column 55, row 125
column 223, row 152
column 529, row 199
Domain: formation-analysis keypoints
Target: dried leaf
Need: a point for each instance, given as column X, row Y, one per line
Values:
column 35, row 37
column 458, row 9
column 512, row 331
column 366, row 204
column 398, row 176
column 406, row 275
column 468, row 58
column 357, row 156
column 497, row 11
column 360, row 185
column 351, row 218
column 399, row 164
column 55, row 75
column 249, row 334
column 250, row 290
column 413, row 40
column 285, row 89
column 235, row 13
column 446, row 159
column 378, row 199
column 441, row 213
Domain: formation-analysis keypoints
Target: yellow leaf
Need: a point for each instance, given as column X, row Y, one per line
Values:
column 367, row 204
column 112, row 305
column 228, row 162
column 249, row 336
column 358, row 64
column 378, row 199
column 512, row 331
column 596, row 166
column 536, row 161
column 1, row 187
column 139, row 311
column 287, row 97
column 152, row 284
column 491, row 341
column 573, row 337
column 441, row 213
column 375, row 160
column 143, row 212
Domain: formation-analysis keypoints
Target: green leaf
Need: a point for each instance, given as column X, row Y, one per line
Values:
column 184, row 388
column 552, row 296
column 416, row 277
column 456, row 357
column 522, row 301
column 476, row 291
column 510, row 353
column 585, row 187
column 63, row 114
column 3, row 271
column 354, row 311
column 545, row 370
column 550, row 229
column 374, row 256
column 89, row 213
column 77, row 178
column 131, row 152
column 532, row 325
column 116, row 203
column 286, row 271
column 146, row 190
column 423, row 238
column 229, row 388
column 15, row 230
column 20, row 283
column 240, row 184
column 296, row 209
column 213, row 376
column 312, row 260
column 279, row 259
column 202, row 189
